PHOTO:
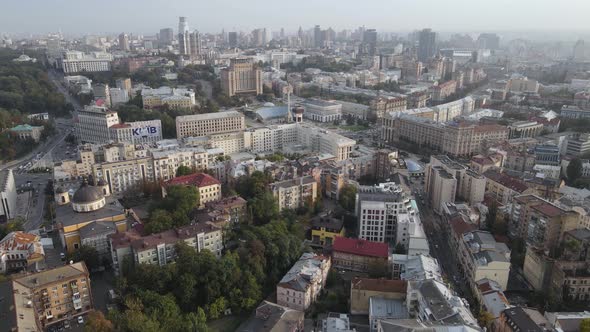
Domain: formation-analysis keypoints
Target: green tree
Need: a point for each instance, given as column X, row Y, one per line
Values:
column 348, row 197
column 574, row 170
column 160, row 220
column 184, row 170
column 217, row 308
column 400, row 249
column 97, row 322
column 196, row 322
column 17, row 224
column 484, row 318
column 264, row 208
column 88, row 255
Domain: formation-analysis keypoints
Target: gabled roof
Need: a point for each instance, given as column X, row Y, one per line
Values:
column 360, row 247
column 198, row 180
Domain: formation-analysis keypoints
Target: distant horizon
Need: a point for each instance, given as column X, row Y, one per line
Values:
column 147, row 17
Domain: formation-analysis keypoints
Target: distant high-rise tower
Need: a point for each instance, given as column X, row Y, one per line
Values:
column 488, row 41
column 242, row 77
column 166, row 36
column 426, row 45
column 318, row 38
column 370, row 42
column 183, row 36
column 579, row 50
column 123, row 42
column 232, row 39
column 195, row 43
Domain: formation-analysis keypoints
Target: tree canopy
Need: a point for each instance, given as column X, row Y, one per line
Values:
column 182, row 296
column 174, row 209
column 347, row 197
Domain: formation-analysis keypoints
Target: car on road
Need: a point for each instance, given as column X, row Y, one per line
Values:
column 80, row 320
column 62, row 256
column 67, row 324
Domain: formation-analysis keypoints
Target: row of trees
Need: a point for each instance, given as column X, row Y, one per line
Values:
column 182, row 296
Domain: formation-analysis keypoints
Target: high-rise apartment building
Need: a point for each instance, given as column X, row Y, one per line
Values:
column 318, row 37
column 124, row 42
column 370, row 42
column 294, row 194
column 242, row 77
column 232, row 38
column 195, row 43
column 380, row 211
column 166, row 36
column 489, row 41
column 426, row 45
column 446, row 179
column 7, row 194
column 541, row 223
column 211, row 123
column 93, row 122
column 44, row 299
column 183, row 36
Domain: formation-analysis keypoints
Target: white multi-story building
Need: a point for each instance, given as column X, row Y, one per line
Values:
column 446, row 179
column 482, row 257
column 137, row 132
column 159, row 248
column 301, row 286
column 123, row 175
column 208, row 124
column 93, row 123
column 432, row 301
column 277, row 137
column 118, row 96
column 7, row 194
column 293, row 194
column 176, row 98
column 379, row 209
column 322, row 110
column 75, row 62
column 167, row 161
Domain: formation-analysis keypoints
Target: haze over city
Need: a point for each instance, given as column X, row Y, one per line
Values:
column 146, row 16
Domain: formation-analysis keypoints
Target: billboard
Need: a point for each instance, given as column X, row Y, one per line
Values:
column 147, row 129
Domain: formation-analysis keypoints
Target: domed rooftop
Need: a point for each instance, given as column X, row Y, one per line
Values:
column 87, row 194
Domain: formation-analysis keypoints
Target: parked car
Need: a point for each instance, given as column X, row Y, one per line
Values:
column 80, row 320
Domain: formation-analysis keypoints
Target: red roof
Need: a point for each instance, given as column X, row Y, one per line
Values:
column 120, row 125
column 459, row 225
column 361, row 247
column 99, row 102
column 198, row 180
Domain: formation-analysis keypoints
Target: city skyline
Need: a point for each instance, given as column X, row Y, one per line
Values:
column 147, row 17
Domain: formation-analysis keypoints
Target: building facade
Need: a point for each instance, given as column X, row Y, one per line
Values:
column 242, row 77
column 208, row 124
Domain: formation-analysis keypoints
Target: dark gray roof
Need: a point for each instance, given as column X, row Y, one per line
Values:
column 522, row 321
column 87, row 194
column 97, row 228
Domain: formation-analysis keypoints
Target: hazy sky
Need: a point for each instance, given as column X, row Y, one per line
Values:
column 148, row 16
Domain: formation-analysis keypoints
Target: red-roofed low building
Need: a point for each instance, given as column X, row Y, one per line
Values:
column 209, row 187
column 358, row 255
column 19, row 250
